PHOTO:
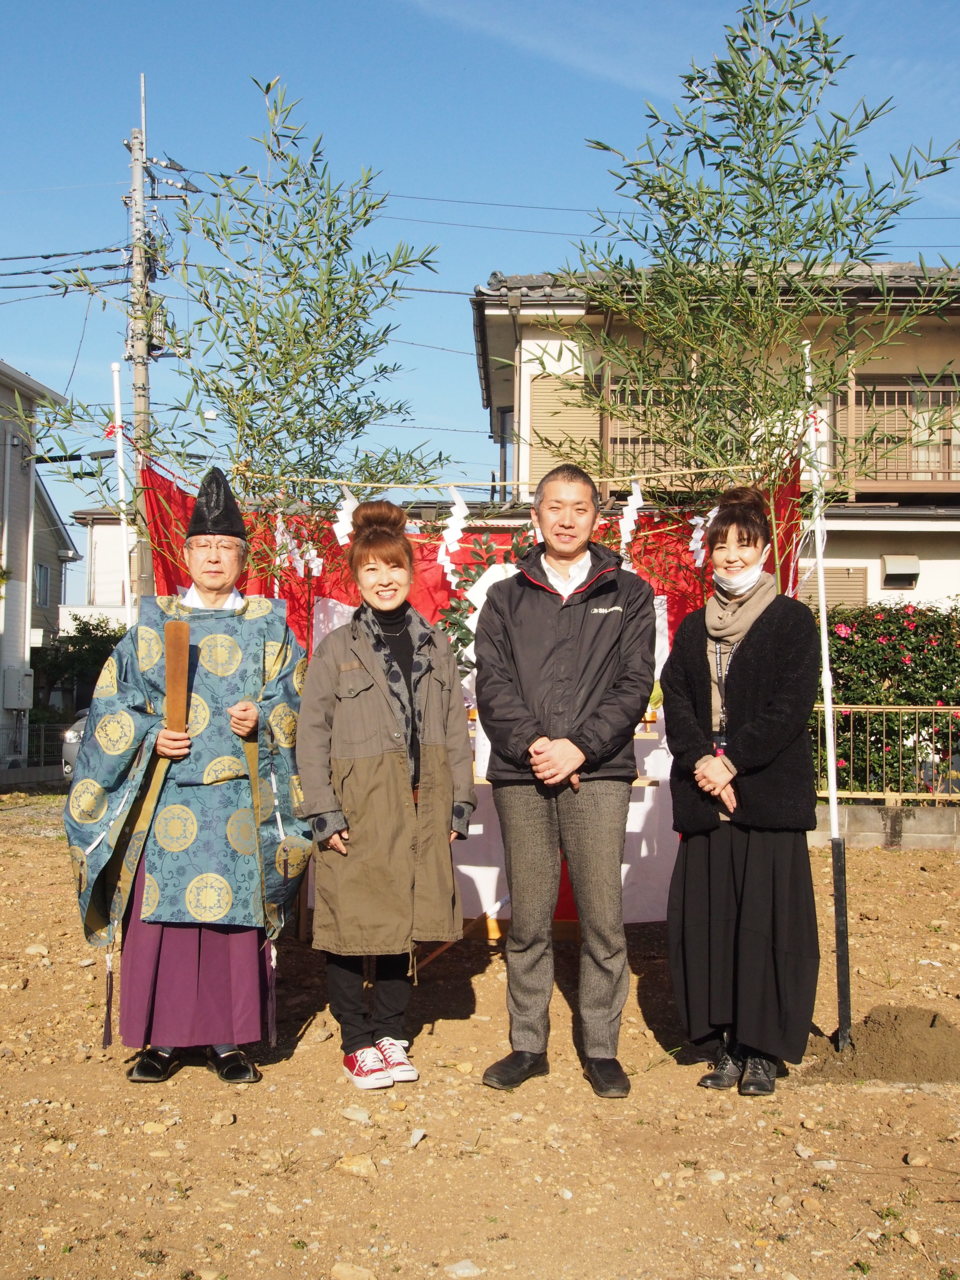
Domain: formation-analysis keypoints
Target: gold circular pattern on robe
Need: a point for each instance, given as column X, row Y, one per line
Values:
column 78, row 860
column 199, row 716
column 168, row 604
column 175, row 828
column 296, row 792
column 242, row 832
column 300, row 675
column 220, row 654
column 258, row 607
column 223, row 769
column 149, row 647
column 283, row 722
column 151, row 896
column 115, row 732
column 295, row 851
column 208, row 897
column 88, row 801
column 107, row 683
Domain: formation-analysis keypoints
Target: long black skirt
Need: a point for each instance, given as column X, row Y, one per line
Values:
column 743, row 946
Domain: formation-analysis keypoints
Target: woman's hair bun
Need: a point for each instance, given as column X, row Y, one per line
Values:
column 379, row 515
column 743, row 496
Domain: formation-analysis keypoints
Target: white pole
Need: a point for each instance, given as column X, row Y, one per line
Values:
column 820, row 542
column 837, row 844
column 125, row 538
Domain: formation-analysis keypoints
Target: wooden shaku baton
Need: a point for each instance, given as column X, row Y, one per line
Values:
column 176, row 639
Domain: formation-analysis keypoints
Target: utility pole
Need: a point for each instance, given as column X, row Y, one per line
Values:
column 138, row 347
column 146, row 334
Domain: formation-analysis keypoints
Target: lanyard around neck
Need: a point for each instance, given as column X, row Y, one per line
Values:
column 722, row 673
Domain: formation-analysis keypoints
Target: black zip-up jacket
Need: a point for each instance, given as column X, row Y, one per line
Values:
column 770, row 687
column 580, row 668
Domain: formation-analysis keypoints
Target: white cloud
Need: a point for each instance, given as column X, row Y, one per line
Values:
column 624, row 42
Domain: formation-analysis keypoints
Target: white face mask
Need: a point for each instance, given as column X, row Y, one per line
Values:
column 742, row 583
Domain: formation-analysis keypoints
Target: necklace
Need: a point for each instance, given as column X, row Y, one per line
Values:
column 387, row 631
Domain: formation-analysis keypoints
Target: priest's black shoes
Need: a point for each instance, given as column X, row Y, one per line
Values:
column 515, row 1068
column 608, row 1078
column 154, row 1066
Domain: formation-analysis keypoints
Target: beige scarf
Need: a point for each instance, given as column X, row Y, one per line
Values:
column 728, row 619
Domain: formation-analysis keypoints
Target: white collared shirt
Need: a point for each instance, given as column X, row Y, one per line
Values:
column 576, row 577
column 191, row 598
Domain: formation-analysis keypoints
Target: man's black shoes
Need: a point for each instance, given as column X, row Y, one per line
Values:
column 608, row 1078
column 515, row 1068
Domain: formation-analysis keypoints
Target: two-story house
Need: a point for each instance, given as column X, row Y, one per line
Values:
column 893, row 532
column 34, row 549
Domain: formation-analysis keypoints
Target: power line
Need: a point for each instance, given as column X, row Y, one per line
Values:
column 52, row 271
column 453, row 351
column 72, row 253
column 479, row 226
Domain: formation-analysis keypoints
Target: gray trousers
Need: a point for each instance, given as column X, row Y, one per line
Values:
column 588, row 825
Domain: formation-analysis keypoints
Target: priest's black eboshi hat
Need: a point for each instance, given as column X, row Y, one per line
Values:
column 216, row 511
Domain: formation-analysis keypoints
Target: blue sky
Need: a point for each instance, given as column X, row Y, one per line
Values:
column 452, row 100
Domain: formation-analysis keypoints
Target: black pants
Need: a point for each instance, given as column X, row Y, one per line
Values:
column 361, row 1025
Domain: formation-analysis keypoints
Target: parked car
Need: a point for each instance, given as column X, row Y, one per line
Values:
column 72, row 738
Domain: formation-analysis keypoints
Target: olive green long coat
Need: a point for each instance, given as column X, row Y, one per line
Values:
column 396, row 883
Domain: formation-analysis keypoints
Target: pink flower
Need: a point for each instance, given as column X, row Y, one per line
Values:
column 888, row 748
column 842, row 630
column 879, row 616
column 940, row 702
column 910, row 609
column 906, row 659
column 911, row 626
column 841, row 764
column 882, row 639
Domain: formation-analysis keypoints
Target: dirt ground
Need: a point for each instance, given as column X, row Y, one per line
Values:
column 851, row 1168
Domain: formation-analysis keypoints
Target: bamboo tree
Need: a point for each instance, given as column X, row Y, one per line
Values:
column 295, row 318
column 745, row 283
column 282, row 357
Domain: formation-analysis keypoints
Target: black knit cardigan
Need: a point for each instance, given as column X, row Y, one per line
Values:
column 771, row 686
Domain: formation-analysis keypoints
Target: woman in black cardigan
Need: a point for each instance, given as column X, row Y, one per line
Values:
column 738, row 689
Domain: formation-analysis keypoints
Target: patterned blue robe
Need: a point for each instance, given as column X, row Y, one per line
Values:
column 217, row 830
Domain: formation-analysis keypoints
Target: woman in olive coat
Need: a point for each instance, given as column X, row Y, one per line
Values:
column 387, row 774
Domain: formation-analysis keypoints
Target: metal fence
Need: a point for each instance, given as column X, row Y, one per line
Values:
column 892, row 754
column 41, row 745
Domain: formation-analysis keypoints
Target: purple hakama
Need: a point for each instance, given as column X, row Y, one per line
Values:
column 184, row 985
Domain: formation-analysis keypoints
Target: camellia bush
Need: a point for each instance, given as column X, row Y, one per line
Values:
column 895, row 655
column 900, row 655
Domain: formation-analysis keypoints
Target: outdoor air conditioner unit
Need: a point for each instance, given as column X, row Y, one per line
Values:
column 17, row 689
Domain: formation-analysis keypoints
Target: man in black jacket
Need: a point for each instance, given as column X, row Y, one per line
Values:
column 564, row 673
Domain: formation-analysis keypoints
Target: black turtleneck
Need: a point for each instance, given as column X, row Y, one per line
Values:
column 394, row 627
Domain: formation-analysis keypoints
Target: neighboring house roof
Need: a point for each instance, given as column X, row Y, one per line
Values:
column 96, row 515
column 27, row 386
column 865, row 282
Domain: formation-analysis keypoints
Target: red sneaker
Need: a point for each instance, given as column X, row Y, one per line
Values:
column 394, row 1055
column 367, row 1069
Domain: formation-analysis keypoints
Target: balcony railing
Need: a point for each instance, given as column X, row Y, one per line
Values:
column 903, row 437
column 892, row 754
